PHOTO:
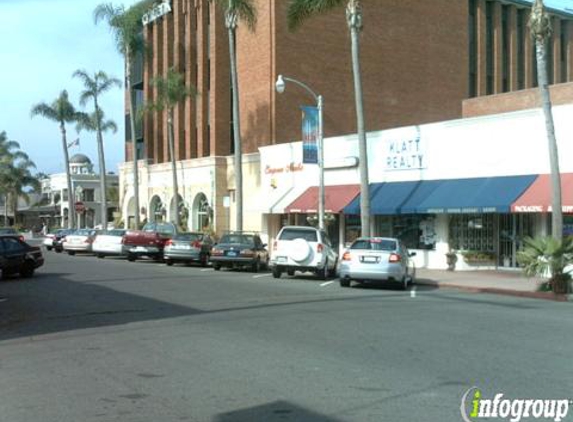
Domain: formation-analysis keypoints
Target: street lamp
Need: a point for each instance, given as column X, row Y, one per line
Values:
column 280, row 87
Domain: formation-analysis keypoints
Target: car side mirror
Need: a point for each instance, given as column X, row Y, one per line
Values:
column 412, row 254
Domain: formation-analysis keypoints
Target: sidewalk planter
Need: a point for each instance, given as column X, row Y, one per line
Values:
column 478, row 258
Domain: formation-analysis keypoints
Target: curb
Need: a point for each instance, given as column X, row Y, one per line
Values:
column 494, row 290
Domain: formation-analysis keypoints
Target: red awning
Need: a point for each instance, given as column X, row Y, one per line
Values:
column 537, row 198
column 335, row 199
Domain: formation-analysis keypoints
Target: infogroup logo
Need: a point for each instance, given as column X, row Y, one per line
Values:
column 474, row 406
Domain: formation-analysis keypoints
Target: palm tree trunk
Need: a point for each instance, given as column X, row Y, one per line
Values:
column 173, row 165
column 133, row 139
column 102, row 171
column 6, row 209
column 236, row 130
column 71, row 209
column 557, row 211
column 355, row 23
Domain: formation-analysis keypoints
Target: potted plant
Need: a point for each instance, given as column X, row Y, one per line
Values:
column 451, row 259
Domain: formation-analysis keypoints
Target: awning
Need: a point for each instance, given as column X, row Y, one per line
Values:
column 537, row 198
column 335, row 199
column 394, row 197
column 476, row 195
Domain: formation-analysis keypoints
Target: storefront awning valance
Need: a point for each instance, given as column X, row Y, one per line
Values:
column 454, row 196
column 537, row 198
column 335, row 199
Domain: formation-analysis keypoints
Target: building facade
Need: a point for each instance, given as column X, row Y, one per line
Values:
column 422, row 62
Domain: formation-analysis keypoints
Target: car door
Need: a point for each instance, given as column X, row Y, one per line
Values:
column 14, row 253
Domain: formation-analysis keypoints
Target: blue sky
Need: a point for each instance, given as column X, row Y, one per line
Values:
column 42, row 42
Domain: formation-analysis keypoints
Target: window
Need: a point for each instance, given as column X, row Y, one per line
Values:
column 521, row 16
column 489, row 9
column 415, row 231
column 12, row 245
column 505, row 54
column 291, row 234
column 474, row 232
column 89, row 195
column 472, row 36
column 201, row 211
column 375, row 245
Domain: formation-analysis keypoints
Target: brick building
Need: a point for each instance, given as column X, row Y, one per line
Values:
column 421, row 62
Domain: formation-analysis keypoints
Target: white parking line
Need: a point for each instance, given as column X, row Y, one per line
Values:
column 262, row 275
column 207, row 269
column 326, row 283
column 413, row 292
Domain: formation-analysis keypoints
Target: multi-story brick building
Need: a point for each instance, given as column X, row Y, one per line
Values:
column 422, row 61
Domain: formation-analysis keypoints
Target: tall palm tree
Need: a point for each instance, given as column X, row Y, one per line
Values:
column 94, row 87
column 298, row 12
column 541, row 31
column 127, row 29
column 245, row 11
column 171, row 90
column 9, row 153
column 62, row 111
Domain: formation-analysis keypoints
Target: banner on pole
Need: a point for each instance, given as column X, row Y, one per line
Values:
column 309, row 134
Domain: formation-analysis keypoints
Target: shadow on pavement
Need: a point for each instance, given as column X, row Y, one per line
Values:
column 274, row 411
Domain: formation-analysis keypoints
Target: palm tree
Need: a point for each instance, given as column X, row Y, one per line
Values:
column 9, row 152
column 62, row 111
column 94, row 87
column 541, row 31
column 298, row 12
column 171, row 91
column 127, row 30
column 245, row 11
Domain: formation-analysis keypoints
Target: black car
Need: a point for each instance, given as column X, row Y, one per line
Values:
column 16, row 256
column 59, row 237
column 240, row 249
column 10, row 231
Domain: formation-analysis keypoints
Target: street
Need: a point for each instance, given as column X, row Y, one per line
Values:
column 88, row 339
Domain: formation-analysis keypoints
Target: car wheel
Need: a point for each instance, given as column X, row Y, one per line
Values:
column 332, row 272
column 277, row 272
column 58, row 250
column 344, row 282
column 290, row 272
column 100, row 255
column 168, row 262
column 131, row 257
column 204, row 260
column 27, row 270
column 72, row 253
column 216, row 267
column 404, row 283
column 49, row 248
column 256, row 267
column 323, row 273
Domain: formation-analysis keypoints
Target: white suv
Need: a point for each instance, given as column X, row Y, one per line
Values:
column 301, row 248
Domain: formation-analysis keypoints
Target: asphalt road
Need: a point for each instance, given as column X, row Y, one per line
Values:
column 108, row 340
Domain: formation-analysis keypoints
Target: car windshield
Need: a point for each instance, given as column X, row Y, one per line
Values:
column 243, row 239
column 163, row 228
column 8, row 230
column 375, row 244
column 189, row 237
column 291, row 234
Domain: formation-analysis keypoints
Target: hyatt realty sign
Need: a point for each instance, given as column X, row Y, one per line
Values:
column 157, row 11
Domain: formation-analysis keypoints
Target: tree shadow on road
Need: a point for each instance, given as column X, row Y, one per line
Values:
column 274, row 411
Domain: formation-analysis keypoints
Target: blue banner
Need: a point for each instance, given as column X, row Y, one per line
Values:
column 309, row 134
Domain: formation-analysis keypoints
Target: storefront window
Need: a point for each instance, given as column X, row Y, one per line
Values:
column 472, row 232
column 415, row 231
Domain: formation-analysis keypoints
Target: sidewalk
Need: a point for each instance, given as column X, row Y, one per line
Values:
column 512, row 283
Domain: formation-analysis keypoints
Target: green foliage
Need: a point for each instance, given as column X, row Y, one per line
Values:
column 171, row 90
column 544, row 256
column 477, row 256
column 244, row 10
column 301, row 10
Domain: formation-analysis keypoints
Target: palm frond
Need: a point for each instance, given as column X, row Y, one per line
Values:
column 301, row 10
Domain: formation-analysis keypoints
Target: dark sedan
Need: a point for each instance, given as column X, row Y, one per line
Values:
column 59, row 237
column 188, row 247
column 240, row 250
column 17, row 257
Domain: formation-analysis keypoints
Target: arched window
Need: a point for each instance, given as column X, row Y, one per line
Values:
column 201, row 213
column 156, row 209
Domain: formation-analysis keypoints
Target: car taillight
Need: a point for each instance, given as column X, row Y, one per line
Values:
column 319, row 248
column 247, row 252
column 346, row 256
column 88, row 240
column 169, row 242
column 395, row 258
column 196, row 244
column 275, row 245
column 217, row 251
column 21, row 238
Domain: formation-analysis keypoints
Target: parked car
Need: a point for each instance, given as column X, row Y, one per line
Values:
column 59, row 237
column 109, row 242
column 149, row 241
column 375, row 259
column 302, row 248
column 79, row 241
column 188, row 247
column 11, row 231
column 16, row 256
column 240, row 249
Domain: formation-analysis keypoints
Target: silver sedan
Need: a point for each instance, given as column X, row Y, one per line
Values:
column 375, row 259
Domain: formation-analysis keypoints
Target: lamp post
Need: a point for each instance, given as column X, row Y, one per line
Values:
column 280, row 87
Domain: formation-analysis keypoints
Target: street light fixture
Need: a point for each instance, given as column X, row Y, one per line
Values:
column 280, row 87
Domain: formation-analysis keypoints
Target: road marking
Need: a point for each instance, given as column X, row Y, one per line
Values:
column 262, row 275
column 206, row 269
column 326, row 284
column 413, row 292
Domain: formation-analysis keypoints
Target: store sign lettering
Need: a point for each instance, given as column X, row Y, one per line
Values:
column 289, row 168
column 405, row 154
column 156, row 12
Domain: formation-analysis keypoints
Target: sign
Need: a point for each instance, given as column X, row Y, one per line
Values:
column 79, row 206
column 309, row 134
column 156, row 12
column 406, row 154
